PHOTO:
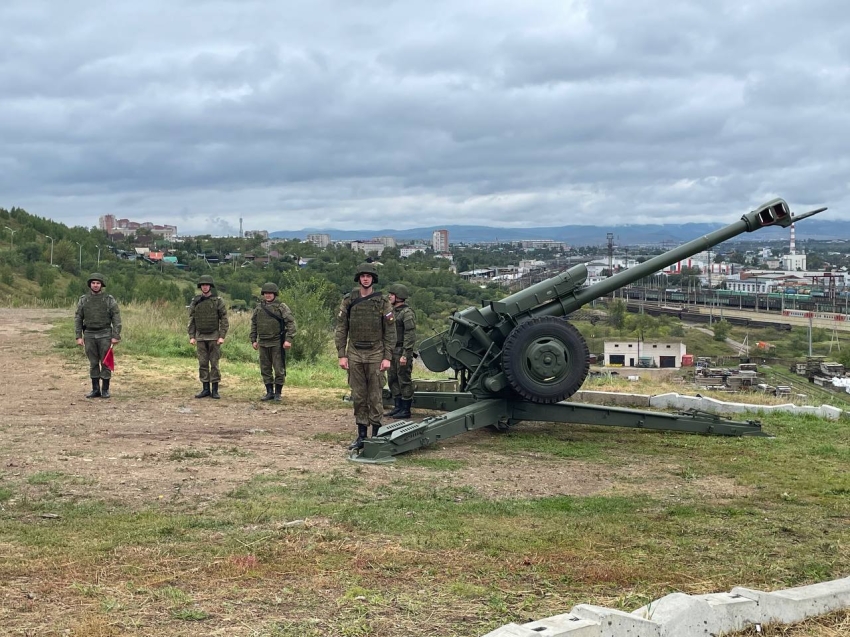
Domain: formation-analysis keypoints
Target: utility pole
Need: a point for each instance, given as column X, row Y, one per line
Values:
column 12, row 239
column 98, row 256
column 51, row 250
column 811, row 314
column 81, row 255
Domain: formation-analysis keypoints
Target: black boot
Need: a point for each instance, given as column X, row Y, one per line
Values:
column 214, row 392
column 204, row 392
column 404, row 412
column 375, row 430
column 393, row 412
column 278, row 390
column 362, row 432
column 269, row 395
column 95, row 389
column 104, row 392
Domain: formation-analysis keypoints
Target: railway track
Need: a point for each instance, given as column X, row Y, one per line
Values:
column 778, row 376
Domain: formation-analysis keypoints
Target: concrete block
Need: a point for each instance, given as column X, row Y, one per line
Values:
column 830, row 412
column 611, row 399
column 715, row 406
column 699, row 616
column 680, row 615
column 795, row 604
column 732, row 612
column 566, row 625
column 616, row 623
column 512, row 630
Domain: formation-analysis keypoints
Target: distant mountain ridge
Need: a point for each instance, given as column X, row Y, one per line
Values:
column 632, row 234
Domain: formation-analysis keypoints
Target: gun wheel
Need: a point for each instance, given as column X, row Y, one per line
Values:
column 545, row 359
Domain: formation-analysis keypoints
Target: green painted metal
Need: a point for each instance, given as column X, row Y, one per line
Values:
column 518, row 359
column 520, row 345
column 405, row 436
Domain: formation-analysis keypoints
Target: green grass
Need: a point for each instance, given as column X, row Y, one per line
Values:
column 430, row 545
column 395, row 547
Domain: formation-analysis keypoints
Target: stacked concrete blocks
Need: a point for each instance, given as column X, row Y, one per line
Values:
column 680, row 615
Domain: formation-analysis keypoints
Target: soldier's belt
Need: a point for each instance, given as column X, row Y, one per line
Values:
column 364, row 344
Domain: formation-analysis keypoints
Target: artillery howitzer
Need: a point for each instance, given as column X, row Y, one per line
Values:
column 519, row 358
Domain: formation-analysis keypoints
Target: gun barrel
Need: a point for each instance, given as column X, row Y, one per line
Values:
column 562, row 294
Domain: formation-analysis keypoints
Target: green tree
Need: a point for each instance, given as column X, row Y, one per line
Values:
column 31, row 252
column 47, row 292
column 617, row 313
column 677, row 329
column 45, row 275
column 7, row 277
column 66, row 257
column 721, row 330
column 308, row 300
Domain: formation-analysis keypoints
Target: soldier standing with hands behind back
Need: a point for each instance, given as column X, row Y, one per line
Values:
column 207, row 328
column 364, row 337
column 272, row 329
column 401, row 371
column 98, row 319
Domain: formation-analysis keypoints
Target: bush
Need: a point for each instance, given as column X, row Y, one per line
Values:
column 7, row 277
column 308, row 300
column 47, row 292
column 721, row 330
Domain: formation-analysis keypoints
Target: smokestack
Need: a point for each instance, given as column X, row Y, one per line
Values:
column 793, row 242
column 240, row 227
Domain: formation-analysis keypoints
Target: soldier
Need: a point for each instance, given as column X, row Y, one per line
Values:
column 207, row 329
column 401, row 370
column 272, row 329
column 99, row 320
column 365, row 335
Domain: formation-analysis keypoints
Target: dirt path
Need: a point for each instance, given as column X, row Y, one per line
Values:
column 139, row 449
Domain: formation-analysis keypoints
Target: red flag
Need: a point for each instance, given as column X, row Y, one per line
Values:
column 109, row 360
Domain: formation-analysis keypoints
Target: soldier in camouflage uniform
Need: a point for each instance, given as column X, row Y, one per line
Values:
column 400, row 381
column 272, row 329
column 207, row 328
column 97, row 325
column 365, row 335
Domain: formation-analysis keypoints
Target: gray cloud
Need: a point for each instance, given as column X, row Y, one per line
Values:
column 397, row 114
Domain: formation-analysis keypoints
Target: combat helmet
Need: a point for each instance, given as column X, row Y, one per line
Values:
column 270, row 287
column 400, row 290
column 206, row 279
column 366, row 268
column 96, row 276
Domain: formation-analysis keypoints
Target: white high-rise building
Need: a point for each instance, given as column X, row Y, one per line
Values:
column 320, row 240
column 440, row 241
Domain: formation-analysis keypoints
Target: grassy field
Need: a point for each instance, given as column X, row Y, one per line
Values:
column 428, row 552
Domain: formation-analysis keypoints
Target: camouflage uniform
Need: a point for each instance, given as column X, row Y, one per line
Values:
column 266, row 333
column 97, row 320
column 400, row 376
column 365, row 334
column 208, row 323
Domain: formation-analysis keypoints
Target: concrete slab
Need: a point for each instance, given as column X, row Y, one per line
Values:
column 512, row 630
column 681, row 615
column 611, row 399
column 566, row 625
column 715, row 406
column 616, row 623
column 699, row 616
column 795, row 604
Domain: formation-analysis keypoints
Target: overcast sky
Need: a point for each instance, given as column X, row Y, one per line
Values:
column 378, row 114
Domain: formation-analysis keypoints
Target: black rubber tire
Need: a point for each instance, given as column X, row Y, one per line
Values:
column 530, row 345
